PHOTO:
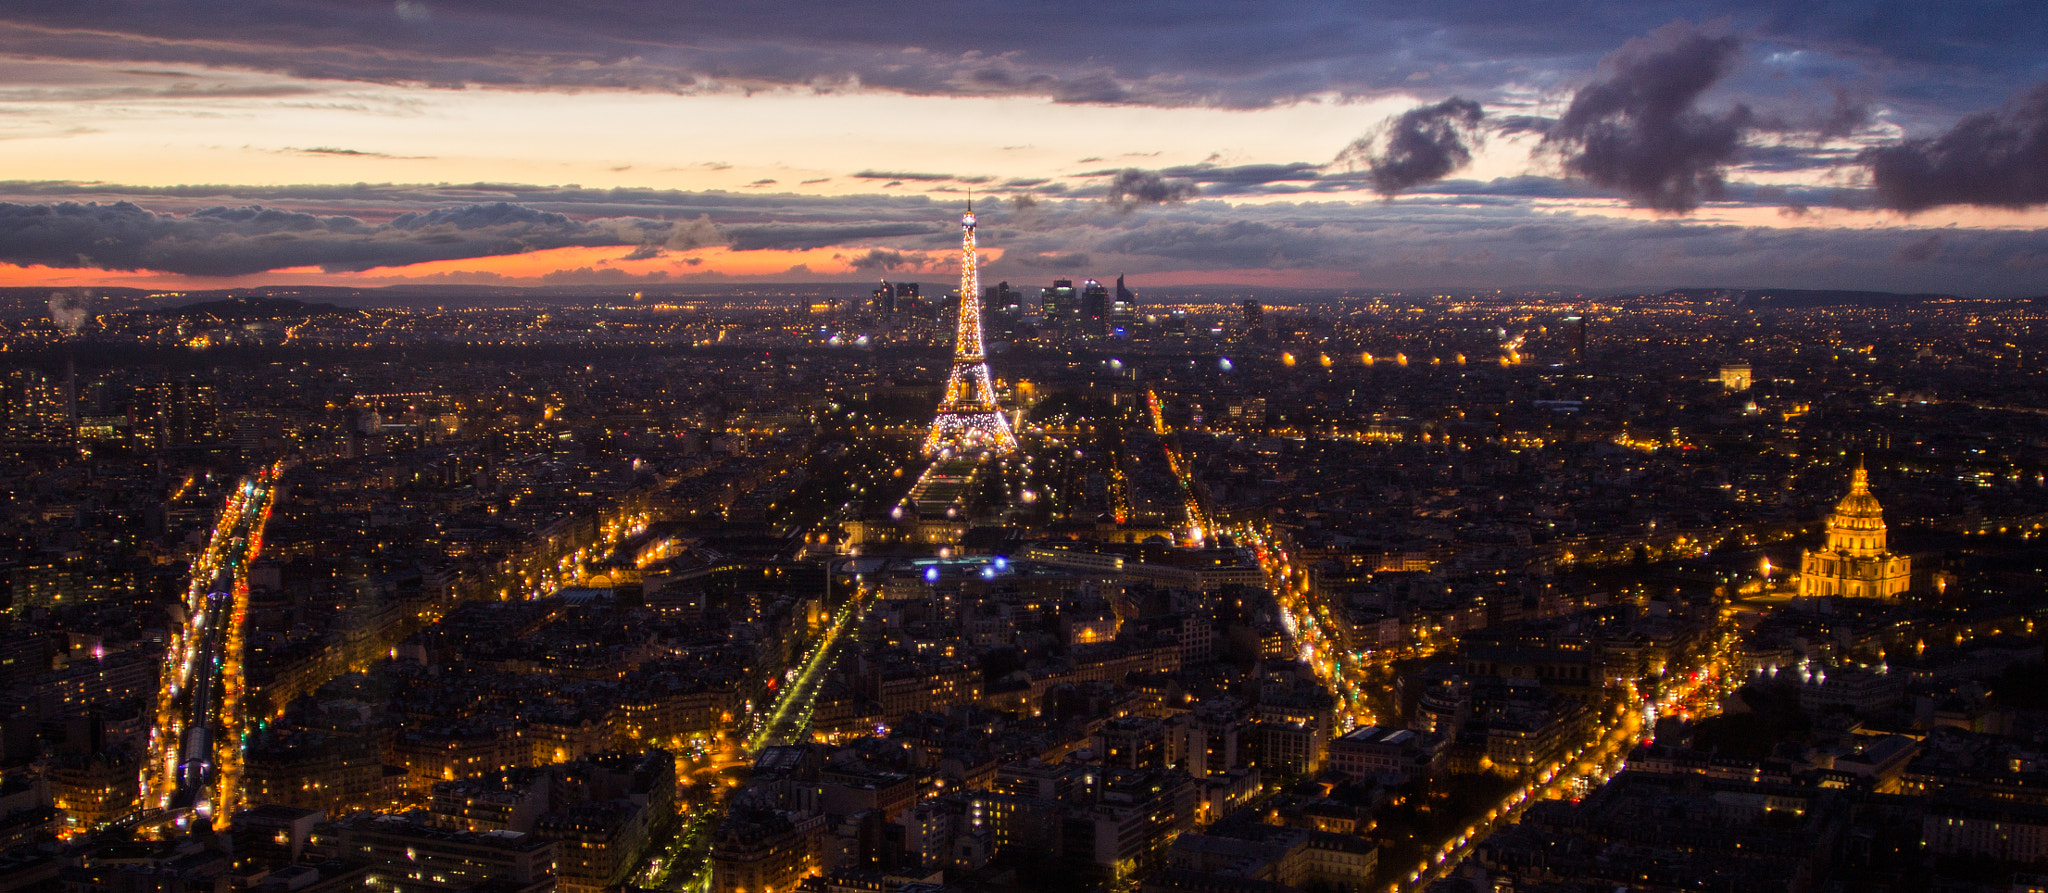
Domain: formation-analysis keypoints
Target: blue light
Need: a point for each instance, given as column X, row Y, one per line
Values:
column 1223, row 364
column 1002, row 564
column 931, row 575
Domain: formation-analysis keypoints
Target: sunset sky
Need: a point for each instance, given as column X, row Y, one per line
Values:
column 1453, row 145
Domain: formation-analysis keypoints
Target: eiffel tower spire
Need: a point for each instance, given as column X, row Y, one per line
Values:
column 969, row 420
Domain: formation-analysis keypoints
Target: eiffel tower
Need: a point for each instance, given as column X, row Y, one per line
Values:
column 969, row 421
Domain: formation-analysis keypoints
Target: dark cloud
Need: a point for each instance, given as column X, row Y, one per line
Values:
column 352, row 153
column 1422, row 144
column 601, row 276
column 1245, row 179
column 1231, row 178
column 691, row 234
column 1145, row 51
column 1795, row 199
column 1848, row 115
column 903, row 175
column 1525, row 186
column 1036, row 261
column 1225, row 244
column 1422, row 245
column 1919, row 251
column 798, row 236
column 1789, row 158
column 480, row 216
column 1636, row 127
column 883, row 260
column 1132, row 187
column 373, row 201
column 1451, row 234
column 228, row 241
column 1993, row 159
column 1511, row 124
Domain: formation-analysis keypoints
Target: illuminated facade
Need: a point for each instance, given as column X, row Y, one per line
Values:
column 969, row 420
column 1854, row 563
column 1736, row 377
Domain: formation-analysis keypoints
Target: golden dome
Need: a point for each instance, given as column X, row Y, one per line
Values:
column 1857, row 526
column 1859, row 510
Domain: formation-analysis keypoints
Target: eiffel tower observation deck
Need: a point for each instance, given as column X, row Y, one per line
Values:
column 969, row 422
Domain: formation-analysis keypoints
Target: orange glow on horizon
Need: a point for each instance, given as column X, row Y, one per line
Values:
column 577, row 265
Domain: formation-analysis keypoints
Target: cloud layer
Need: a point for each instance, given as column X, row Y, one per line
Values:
column 1491, row 235
column 1132, row 187
column 1995, row 159
column 231, row 241
column 1637, row 128
column 1830, row 103
column 1145, row 51
column 1421, row 145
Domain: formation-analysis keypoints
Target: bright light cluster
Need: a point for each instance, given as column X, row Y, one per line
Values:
column 964, row 433
column 197, row 739
column 969, row 421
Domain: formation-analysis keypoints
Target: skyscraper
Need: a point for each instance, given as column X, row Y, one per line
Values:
column 909, row 301
column 1004, row 299
column 1123, row 309
column 1095, row 307
column 1060, row 302
column 969, row 420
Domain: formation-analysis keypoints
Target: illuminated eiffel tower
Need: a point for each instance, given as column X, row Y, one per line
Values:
column 969, row 421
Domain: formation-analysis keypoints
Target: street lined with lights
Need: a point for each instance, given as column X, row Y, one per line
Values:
column 195, row 747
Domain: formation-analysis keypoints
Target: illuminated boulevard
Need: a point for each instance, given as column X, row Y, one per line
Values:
column 1353, row 674
column 195, row 749
column 1344, row 670
column 1692, row 691
column 787, row 721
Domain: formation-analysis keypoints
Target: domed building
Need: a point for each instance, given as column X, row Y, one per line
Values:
column 1855, row 563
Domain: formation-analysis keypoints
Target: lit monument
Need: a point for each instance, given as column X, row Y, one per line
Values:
column 969, row 421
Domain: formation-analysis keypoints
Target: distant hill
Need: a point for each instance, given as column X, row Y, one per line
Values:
column 249, row 310
column 35, row 300
column 1799, row 298
column 278, row 301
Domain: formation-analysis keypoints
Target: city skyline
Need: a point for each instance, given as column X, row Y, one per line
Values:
column 479, row 446
column 1086, row 590
column 1874, row 146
